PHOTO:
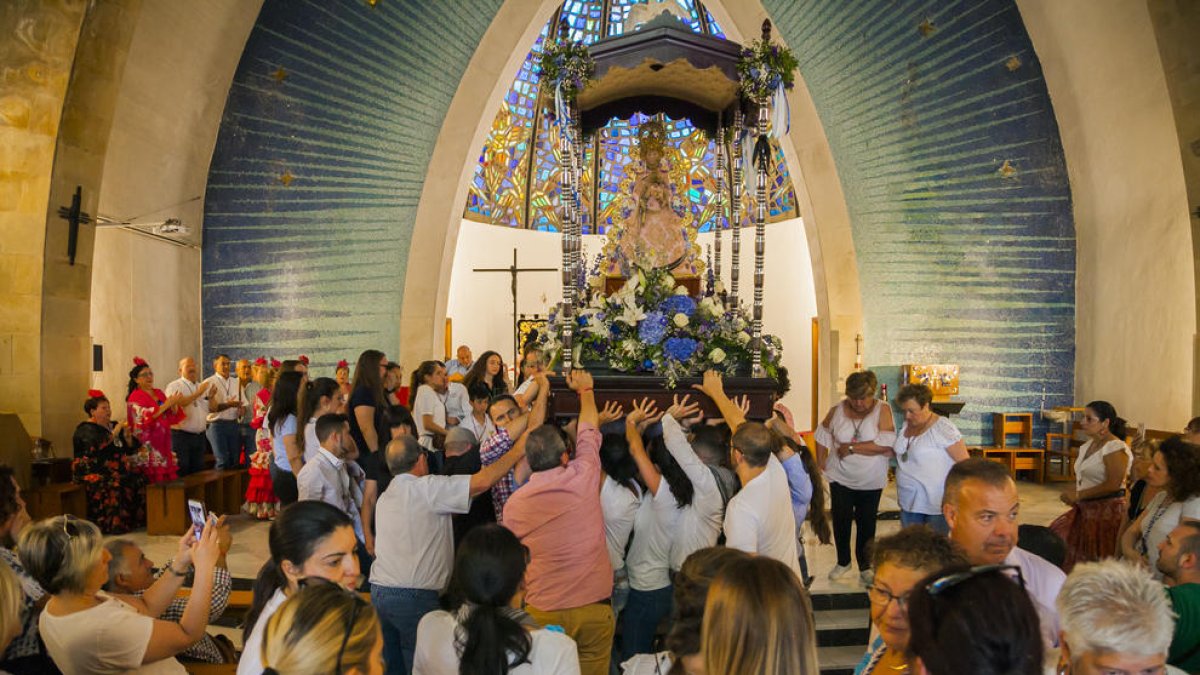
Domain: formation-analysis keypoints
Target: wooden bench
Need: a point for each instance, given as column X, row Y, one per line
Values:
column 221, row 491
column 57, row 499
column 240, row 601
column 211, row 668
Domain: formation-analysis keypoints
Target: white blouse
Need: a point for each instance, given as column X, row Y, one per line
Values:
column 922, row 464
column 1160, row 517
column 857, row 472
column 619, row 505
column 1089, row 468
column 551, row 653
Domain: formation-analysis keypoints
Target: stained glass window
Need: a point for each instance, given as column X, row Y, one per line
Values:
column 516, row 182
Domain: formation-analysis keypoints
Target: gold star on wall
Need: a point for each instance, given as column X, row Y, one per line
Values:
column 372, row 2
column 1012, row 63
column 1007, row 170
column 280, row 74
column 926, row 28
column 286, row 178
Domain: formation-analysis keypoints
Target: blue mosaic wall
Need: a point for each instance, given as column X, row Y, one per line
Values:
column 949, row 155
column 936, row 112
column 318, row 167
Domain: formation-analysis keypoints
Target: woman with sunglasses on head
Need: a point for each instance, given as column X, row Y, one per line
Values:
column 900, row 561
column 323, row 629
column 482, row 629
column 1175, row 469
column 87, row 630
column 307, row 539
column 927, row 446
column 976, row 620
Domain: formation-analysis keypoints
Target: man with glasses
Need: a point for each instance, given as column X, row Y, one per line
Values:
column 511, row 422
column 981, row 505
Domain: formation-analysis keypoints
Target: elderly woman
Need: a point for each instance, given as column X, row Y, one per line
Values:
column 1176, row 469
column 89, row 631
column 1093, row 525
column 104, row 466
column 1115, row 619
column 928, row 445
column 977, row 620
column 900, row 561
column 853, row 445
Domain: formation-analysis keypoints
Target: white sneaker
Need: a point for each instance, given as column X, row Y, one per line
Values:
column 867, row 576
column 838, row 571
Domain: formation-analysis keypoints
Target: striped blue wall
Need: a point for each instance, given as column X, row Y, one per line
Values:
column 936, row 112
column 318, row 167
column 949, row 155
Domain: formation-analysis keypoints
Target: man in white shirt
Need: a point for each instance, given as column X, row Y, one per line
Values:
column 458, row 403
column 981, row 506
column 457, row 368
column 759, row 518
column 414, row 539
column 331, row 476
column 225, row 405
column 187, row 437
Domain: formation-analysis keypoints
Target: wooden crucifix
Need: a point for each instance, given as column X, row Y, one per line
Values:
column 514, row 270
column 74, row 217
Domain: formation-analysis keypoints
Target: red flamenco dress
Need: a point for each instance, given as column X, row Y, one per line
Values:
column 158, row 463
column 261, row 501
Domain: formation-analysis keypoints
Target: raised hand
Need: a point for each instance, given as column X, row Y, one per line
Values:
column 579, row 380
column 183, row 556
column 743, row 404
column 713, row 386
column 612, row 411
column 642, row 411
column 206, row 551
column 683, row 409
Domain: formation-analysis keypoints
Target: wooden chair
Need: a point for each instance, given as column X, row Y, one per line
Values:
column 1020, row 457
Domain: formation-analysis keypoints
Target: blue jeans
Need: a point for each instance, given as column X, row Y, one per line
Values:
column 225, row 439
column 640, row 618
column 400, row 610
column 189, row 451
column 936, row 523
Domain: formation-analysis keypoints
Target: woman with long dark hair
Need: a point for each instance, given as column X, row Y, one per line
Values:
column 1175, row 469
column 281, row 420
column 489, row 369
column 479, row 631
column 1092, row 527
column 620, row 495
column 668, row 493
column 368, row 401
column 807, row 488
column 307, row 539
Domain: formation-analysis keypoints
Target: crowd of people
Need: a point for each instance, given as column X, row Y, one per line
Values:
column 453, row 526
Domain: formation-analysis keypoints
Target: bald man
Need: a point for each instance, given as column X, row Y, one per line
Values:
column 187, row 437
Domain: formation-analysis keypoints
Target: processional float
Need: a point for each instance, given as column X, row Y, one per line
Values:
column 646, row 326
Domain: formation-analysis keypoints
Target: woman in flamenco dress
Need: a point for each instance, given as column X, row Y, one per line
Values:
column 104, row 465
column 261, row 501
column 150, row 414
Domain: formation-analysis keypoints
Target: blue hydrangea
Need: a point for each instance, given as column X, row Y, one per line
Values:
column 647, row 365
column 582, row 321
column 653, row 328
column 680, row 349
column 679, row 304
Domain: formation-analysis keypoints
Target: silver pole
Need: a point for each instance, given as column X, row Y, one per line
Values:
column 735, row 220
column 760, row 238
column 720, row 220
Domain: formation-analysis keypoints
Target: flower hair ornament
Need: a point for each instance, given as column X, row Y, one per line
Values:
column 303, row 359
column 96, row 393
column 276, row 363
column 260, row 361
column 139, row 361
column 343, row 364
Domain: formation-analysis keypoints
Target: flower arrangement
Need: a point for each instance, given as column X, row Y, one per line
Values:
column 567, row 67
column 654, row 327
column 764, row 67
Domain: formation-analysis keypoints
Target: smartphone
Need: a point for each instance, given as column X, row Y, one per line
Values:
column 196, row 510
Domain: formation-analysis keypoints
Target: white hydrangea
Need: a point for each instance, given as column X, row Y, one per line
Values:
column 680, row 319
column 717, row 355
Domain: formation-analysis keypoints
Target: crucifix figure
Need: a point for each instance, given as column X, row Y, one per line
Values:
column 514, row 270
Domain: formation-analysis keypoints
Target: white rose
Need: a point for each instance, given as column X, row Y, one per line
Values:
column 743, row 338
column 719, row 287
column 739, row 324
column 681, row 290
column 668, row 282
column 717, row 355
column 681, row 320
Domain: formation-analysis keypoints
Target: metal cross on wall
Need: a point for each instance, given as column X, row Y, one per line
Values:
column 514, row 270
column 74, row 217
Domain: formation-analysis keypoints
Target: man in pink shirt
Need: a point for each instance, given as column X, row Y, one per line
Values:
column 557, row 516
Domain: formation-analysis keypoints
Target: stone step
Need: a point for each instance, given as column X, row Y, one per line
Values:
column 839, row 660
column 843, row 627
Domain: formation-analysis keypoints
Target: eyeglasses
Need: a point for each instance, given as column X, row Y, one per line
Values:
column 882, row 596
column 942, row 584
column 73, row 530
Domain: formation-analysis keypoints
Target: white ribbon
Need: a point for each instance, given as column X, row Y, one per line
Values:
column 749, row 181
column 781, row 113
column 560, row 108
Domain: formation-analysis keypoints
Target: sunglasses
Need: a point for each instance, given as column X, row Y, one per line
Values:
column 943, row 584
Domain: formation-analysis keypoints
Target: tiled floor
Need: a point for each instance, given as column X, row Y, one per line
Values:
column 1039, row 506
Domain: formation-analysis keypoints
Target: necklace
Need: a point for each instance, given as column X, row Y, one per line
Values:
column 858, row 424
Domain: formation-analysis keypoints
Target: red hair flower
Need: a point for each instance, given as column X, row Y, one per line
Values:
column 96, row 393
column 276, row 363
column 260, row 361
column 139, row 361
column 303, row 359
column 343, row 364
